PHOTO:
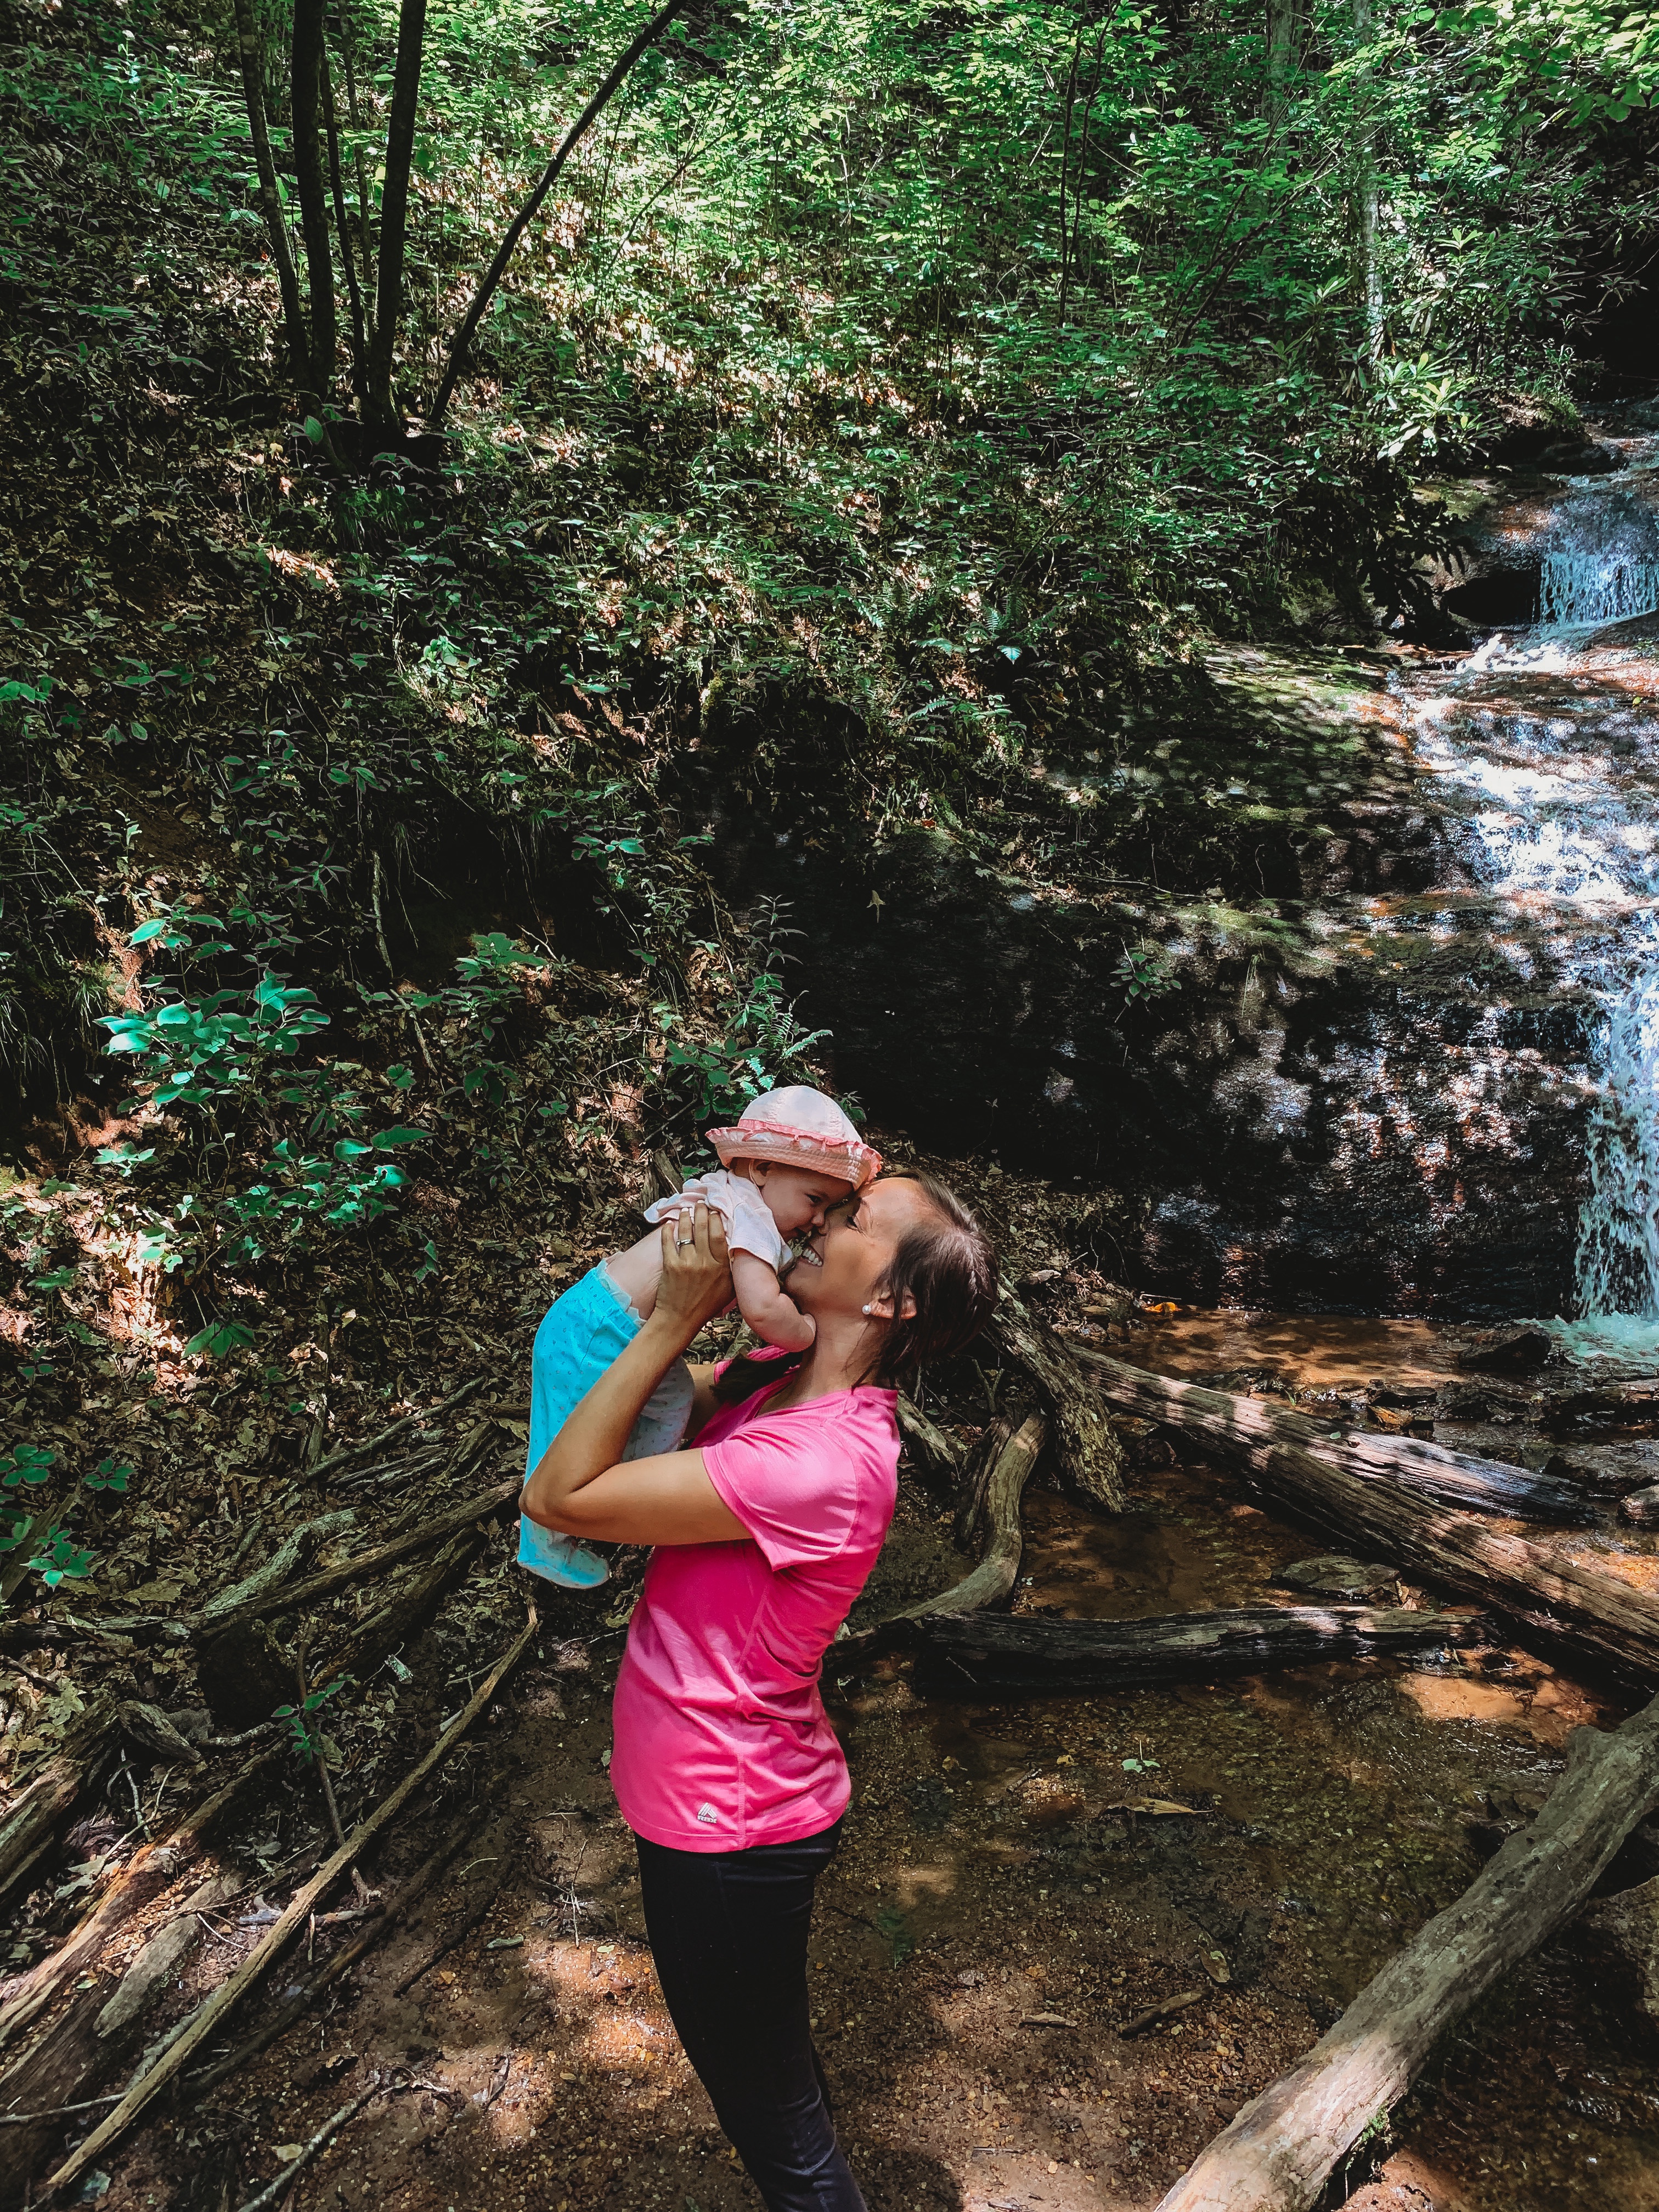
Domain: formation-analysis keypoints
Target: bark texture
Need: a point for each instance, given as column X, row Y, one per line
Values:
column 1566, row 1600
column 994, row 1655
column 1088, row 1454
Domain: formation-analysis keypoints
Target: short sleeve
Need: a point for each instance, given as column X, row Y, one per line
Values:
column 792, row 1491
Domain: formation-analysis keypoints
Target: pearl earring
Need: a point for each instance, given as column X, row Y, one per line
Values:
column 867, row 1309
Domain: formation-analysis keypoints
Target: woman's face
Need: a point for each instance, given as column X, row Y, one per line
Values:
column 841, row 1268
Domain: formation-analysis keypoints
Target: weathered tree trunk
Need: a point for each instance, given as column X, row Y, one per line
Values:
column 145, row 1875
column 1277, row 2154
column 307, row 105
column 1543, row 1589
column 56, row 1787
column 251, row 51
column 1088, row 1454
column 1451, row 1478
column 998, row 1655
column 381, row 405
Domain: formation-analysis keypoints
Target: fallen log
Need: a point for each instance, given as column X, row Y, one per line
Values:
column 1450, row 1478
column 1277, row 2154
column 206, row 2021
column 57, row 1787
column 144, row 1876
column 1569, row 1603
column 993, row 1655
column 1087, row 1453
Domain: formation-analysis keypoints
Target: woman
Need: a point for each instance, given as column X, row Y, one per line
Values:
column 723, row 1763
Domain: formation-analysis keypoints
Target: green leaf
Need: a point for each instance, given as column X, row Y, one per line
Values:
column 219, row 1338
column 399, row 1134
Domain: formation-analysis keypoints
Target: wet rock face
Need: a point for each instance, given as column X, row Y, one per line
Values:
column 1350, row 1128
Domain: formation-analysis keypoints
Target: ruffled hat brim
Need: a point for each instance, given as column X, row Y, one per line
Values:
column 849, row 1159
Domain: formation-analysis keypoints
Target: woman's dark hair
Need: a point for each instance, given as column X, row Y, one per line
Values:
column 945, row 1265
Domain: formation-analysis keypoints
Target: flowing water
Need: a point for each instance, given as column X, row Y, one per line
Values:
column 1544, row 746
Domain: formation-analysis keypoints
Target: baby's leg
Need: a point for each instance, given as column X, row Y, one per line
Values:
column 637, row 1271
column 775, row 1317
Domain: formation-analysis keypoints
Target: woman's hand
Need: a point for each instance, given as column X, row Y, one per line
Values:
column 696, row 1273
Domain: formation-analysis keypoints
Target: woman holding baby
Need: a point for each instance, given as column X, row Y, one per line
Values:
column 765, row 1527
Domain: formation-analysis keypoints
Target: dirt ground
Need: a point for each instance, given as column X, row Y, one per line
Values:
column 1022, row 1885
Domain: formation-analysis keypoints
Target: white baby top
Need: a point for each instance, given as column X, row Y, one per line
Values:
column 749, row 1223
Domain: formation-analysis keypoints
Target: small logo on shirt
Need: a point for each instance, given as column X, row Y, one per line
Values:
column 707, row 1812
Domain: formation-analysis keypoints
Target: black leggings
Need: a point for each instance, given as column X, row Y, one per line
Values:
column 728, row 1930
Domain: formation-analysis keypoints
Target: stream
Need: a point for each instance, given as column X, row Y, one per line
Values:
column 1542, row 753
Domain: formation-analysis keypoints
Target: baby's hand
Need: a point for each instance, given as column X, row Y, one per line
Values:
column 773, row 1316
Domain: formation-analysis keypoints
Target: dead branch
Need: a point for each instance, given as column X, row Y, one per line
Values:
column 347, row 1452
column 1277, row 2154
column 282, row 2182
column 252, row 1969
column 299, row 1598
column 940, row 1453
column 976, row 1475
column 277, row 2022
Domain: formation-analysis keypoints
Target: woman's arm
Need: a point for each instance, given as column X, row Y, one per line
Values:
column 577, row 1487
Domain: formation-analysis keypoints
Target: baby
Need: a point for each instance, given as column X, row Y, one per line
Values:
column 793, row 1153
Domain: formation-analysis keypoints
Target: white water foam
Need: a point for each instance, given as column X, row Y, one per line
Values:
column 1590, row 586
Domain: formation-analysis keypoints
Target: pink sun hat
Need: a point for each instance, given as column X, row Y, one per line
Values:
column 799, row 1127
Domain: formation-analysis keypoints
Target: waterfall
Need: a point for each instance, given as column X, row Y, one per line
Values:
column 1618, row 1264
column 1594, row 586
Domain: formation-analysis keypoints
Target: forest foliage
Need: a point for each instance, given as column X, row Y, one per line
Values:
column 909, row 376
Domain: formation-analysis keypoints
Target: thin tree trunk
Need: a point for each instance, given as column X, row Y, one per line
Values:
column 1284, row 25
column 526, row 215
column 251, row 54
column 354, row 112
column 307, row 99
column 359, row 338
column 1277, row 2154
column 381, row 405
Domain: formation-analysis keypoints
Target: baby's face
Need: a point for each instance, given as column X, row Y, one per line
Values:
column 796, row 1197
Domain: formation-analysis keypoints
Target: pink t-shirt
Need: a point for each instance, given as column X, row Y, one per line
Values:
column 721, row 1740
